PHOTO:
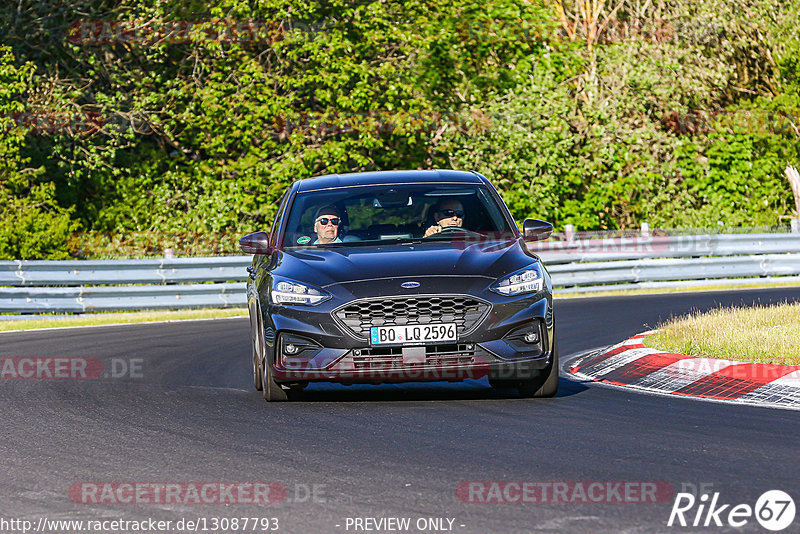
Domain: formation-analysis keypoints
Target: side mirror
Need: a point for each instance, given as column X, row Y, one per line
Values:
column 255, row 243
column 536, row 230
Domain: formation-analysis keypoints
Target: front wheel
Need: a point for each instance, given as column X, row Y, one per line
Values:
column 257, row 371
column 546, row 384
column 274, row 392
column 271, row 391
column 262, row 371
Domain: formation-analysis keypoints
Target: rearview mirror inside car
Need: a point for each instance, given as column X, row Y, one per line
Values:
column 392, row 199
column 255, row 243
column 536, row 230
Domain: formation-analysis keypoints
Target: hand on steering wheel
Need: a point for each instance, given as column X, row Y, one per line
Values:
column 439, row 230
column 450, row 229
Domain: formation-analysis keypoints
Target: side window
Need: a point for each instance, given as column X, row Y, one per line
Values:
column 276, row 224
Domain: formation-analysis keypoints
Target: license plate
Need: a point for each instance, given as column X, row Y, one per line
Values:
column 402, row 335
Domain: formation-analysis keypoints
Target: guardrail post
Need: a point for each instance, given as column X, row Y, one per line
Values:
column 795, row 226
column 794, row 181
column 645, row 229
column 569, row 231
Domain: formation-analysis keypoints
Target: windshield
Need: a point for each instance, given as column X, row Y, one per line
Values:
column 392, row 213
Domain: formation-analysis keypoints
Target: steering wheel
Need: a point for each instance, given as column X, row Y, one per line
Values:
column 446, row 230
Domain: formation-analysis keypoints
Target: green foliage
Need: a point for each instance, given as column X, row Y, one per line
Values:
column 32, row 225
column 189, row 129
column 592, row 146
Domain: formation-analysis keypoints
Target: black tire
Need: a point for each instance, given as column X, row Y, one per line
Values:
column 274, row 392
column 546, row 384
column 271, row 391
column 257, row 371
column 255, row 354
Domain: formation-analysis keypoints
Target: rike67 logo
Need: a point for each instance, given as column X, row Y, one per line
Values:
column 774, row 510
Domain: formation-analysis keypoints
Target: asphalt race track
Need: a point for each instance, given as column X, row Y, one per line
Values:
column 188, row 412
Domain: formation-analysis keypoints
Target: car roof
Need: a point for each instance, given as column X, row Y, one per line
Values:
column 387, row 177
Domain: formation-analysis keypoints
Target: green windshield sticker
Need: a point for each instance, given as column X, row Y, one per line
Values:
column 302, row 240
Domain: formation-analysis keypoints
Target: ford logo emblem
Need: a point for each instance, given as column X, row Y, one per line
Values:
column 409, row 285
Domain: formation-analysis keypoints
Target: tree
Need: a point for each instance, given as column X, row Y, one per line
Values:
column 32, row 225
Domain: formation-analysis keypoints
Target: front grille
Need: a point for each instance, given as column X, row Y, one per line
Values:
column 361, row 315
column 382, row 358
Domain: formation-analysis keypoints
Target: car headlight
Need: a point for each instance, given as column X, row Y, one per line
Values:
column 527, row 280
column 285, row 291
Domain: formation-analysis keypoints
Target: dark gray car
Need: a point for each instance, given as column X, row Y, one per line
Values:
column 399, row 276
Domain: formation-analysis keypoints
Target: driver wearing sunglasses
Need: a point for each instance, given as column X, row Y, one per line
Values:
column 326, row 225
column 446, row 213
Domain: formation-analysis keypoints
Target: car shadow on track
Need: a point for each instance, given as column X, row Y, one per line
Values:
column 425, row 391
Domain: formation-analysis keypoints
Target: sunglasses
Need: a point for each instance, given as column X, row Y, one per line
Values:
column 452, row 213
column 324, row 221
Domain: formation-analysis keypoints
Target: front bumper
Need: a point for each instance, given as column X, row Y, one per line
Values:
column 325, row 349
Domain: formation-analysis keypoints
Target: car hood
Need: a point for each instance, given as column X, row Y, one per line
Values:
column 343, row 264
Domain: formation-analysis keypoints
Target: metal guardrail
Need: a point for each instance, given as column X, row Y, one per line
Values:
column 576, row 266
column 640, row 247
column 157, row 271
column 107, row 298
column 652, row 270
column 685, row 284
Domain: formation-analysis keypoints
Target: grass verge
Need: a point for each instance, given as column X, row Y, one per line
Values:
column 92, row 319
column 765, row 334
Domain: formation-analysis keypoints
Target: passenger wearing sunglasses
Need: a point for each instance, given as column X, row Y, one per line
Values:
column 446, row 213
column 326, row 225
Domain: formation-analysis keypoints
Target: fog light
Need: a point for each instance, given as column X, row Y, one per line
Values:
column 531, row 338
column 356, row 352
column 290, row 349
column 470, row 346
